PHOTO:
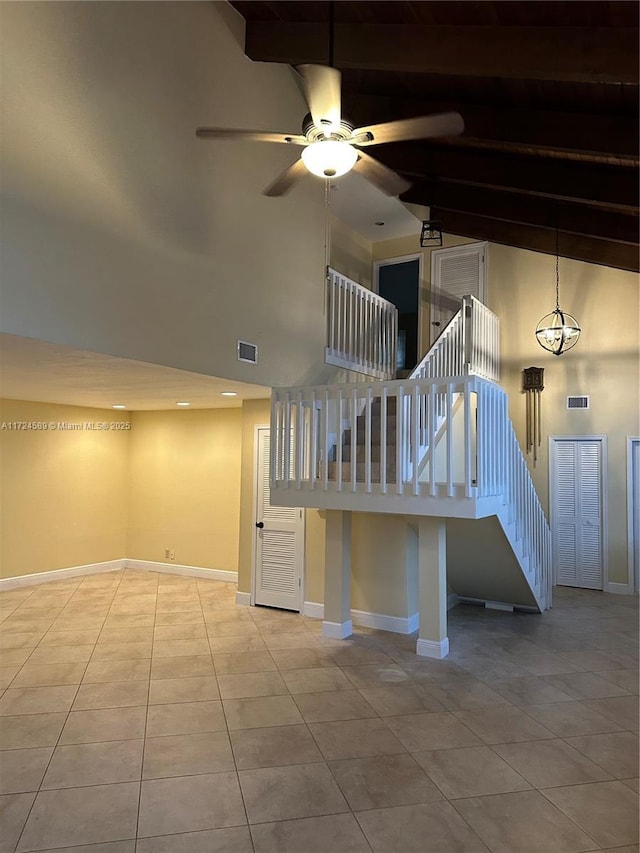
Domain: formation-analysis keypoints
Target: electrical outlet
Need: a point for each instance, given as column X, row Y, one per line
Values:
column 167, row 552
column 172, row 554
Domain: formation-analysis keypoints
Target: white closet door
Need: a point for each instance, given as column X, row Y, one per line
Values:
column 458, row 271
column 279, row 542
column 577, row 515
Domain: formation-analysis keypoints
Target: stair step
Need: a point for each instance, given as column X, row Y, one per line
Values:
column 361, row 472
column 361, row 453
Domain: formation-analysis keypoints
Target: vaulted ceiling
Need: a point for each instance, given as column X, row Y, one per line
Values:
column 548, row 91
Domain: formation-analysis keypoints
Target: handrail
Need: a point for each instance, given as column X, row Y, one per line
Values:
column 468, row 345
column 369, row 438
column 362, row 328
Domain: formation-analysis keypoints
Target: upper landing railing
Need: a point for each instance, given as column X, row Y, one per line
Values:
column 362, row 328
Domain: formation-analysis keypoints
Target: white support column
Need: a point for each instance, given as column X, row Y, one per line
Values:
column 432, row 588
column 337, row 576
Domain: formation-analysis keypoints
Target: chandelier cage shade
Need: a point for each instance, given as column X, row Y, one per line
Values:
column 558, row 331
column 431, row 234
column 329, row 158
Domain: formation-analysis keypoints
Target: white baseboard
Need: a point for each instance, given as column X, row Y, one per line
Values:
column 432, row 648
column 177, row 569
column 452, row 600
column 243, row 598
column 617, row 588
column 62, row 574
column 337, row 630
column 498, row 605
column 380, row 621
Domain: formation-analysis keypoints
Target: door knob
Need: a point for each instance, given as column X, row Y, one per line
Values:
column 260, row 524
column 436, row 323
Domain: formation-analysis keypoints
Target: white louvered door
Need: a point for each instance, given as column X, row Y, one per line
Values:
column 279, row 542
column 458, row 271
column 577, row 511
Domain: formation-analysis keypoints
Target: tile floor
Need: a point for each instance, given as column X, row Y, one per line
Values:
column 148, row 713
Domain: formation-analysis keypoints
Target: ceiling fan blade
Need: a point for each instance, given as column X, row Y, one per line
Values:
column 321, row 86
column 388, row 181
column 423, row 127
column 249, row 135
column 286, row 180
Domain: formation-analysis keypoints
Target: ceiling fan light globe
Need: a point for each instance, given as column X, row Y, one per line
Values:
column 329, row 158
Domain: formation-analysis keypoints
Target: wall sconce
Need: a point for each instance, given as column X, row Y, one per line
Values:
column 431, row 234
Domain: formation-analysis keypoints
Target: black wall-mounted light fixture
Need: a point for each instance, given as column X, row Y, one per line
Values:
column 431, row 234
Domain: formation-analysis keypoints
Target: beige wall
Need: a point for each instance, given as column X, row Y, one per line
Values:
column 184, row 487
column 63, row 492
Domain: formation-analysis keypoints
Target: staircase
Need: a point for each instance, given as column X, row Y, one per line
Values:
column 438, row 443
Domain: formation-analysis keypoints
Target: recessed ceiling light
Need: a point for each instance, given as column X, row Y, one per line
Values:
column 228, row 393
column 183, row 403
column 118, row 406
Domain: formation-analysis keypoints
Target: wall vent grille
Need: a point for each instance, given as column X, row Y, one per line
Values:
column 247, row 352
column 577, row 402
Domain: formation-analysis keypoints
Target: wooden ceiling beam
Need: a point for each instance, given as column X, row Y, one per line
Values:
column 577, row 219
column 567, row 131
column 579, row 54
column 612, row 186
column 576, row 246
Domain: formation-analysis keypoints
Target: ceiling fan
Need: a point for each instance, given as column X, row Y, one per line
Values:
column 330, row 145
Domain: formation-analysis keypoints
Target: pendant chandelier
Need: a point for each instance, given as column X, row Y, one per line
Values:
column 558, row 331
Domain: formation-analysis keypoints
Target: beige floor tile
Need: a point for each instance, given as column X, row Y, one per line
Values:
column 7, row 674
column 465, row 694
column 522, row 822
column 439, row 730
column 358, row 656
column 66, row 639
column 316, row 680
column 623, row 710
column 169, row 606
column 470, row 772
column 617, row 752
column 14, row 810
column 31, row 730
column 60, row 654
column 261, row 712
column 227, row 664
column 327, row 707
column 75, row 816
column 396, row 701
column 530, row 691
column 180, row 648
column 383, row 781
column 185, row 718
column 285, row 793
column 86, row 623
column 338, row 833
column 182, row 617
column 180, row 632
column 633, row 784
column 199, row 688
column 115, row 694
column 109, row 847
column 567, row 719
column 405, row 828
column 184, row 666
column 244, row 685
column 551, row 763
column 235, row 645
column 129, row 620
column 503, row 724
column 585, row 685
column 16, row 625
column 355, row 739
column 376, row 675
column 94, row 764
column 99, row 672
column 627, row 678
column 298, row 640
column 121, row 651
column 104, row 725
column 14, row 657
column 274, row 747
column 596, row 661
column 37, row 700
column 234, row 628
column 234, row 839
column 607, row 811
column 190, row 803
column 23, row 769
column 49, row 674
column 187, row 755
column 301, row 658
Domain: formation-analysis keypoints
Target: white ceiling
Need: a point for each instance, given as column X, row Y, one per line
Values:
column 36, row 370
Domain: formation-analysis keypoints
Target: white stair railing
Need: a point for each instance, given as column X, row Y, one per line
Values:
column 362, row 328
column 367, row 438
